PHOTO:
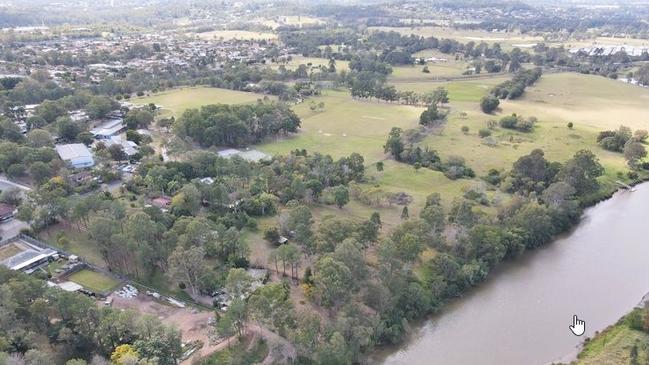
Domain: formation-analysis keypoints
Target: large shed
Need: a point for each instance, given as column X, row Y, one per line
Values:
column 76, row 155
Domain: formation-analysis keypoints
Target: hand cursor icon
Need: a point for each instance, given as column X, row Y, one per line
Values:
column 578, row 326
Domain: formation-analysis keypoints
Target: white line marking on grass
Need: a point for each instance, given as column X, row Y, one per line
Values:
column 369, row 117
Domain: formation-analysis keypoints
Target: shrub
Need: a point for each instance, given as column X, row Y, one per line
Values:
column 489, row 103
column 465, row 129
column 518, row 123
column 570, row 125
column 484, row 132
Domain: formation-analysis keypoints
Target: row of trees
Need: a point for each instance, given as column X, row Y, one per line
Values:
column 514, row 88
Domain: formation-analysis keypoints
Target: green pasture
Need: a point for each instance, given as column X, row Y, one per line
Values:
column 345, row 126
column 176, row 101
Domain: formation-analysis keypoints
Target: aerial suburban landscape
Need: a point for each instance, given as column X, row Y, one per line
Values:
column 390, row 182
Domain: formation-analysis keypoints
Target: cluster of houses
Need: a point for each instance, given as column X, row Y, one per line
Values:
column 604, row 50
column 165, row 50
column 79, row 156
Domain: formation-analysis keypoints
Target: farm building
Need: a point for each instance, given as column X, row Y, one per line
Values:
column 76, row 155
column 21, row 253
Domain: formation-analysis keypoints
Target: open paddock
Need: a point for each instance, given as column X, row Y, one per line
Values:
column 589, row 100
column 345, row 126
column 176, row 101
column 470, row 90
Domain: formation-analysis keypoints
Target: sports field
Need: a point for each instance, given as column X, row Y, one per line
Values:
column 176, row 101
column 93, row 280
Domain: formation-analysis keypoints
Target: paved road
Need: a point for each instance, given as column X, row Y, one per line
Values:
column 11, row 228
column 7, row 184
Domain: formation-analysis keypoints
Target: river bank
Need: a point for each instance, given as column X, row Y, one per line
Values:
column 615, row 344
column 579, row 273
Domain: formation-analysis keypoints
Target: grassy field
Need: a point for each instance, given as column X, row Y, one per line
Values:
column 465, row 90
column 176, row 101
column 346, row 126
column 93, row 280
column 397, row 177
column 235, row 34
column 79, row 244
column 585, row 100
column 593, row 103
column 450, row 67
column 613, row 346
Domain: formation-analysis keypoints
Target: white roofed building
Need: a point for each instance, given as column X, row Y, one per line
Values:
column 76, row 155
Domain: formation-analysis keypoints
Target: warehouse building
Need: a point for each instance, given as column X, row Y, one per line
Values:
column 76, row 155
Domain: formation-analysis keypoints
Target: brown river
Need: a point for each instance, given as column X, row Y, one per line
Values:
column 521, row 314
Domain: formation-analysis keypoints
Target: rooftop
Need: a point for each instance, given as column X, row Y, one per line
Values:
column 73, row 151
column 17, row 253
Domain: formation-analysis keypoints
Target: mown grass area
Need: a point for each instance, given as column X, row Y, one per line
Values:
column 552, row 136
column 399, row 177
column 592, row 103
column 585, row 100
column 449, row 67
column 613, row 346
column 465, row 90
column 176, row 101
column 345, row 126
column 93, row 280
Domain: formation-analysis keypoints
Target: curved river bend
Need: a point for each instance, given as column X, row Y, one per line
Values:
column 599, row 271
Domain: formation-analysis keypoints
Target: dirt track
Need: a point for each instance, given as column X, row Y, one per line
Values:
column 192, row 323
